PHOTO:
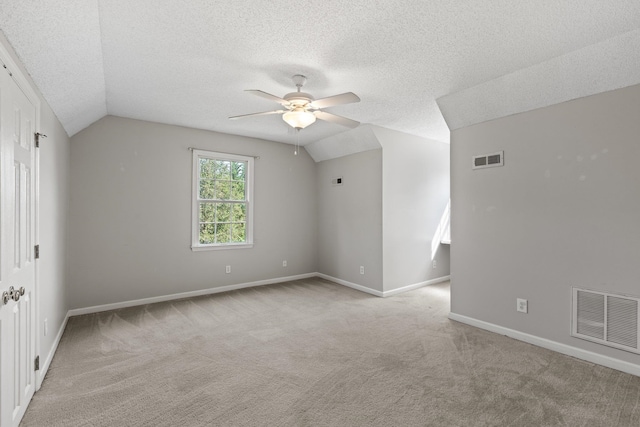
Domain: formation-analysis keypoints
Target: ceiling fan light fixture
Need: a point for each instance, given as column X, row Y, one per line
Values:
column 299, row 118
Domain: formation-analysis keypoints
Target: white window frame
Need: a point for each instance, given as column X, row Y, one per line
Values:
column 195, row 201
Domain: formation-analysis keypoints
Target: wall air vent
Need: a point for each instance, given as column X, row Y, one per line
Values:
column 606, row 318
column 488, row 160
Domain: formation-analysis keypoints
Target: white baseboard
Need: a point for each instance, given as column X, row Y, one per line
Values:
column 383, row 293
column 44, row 366
column 415, row 286
column 181, row 295
column 350, row 284
column 589, row 356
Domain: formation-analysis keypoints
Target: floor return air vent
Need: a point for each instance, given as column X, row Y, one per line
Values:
column 605, row 318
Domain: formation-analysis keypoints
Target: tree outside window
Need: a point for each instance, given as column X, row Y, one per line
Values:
column 222, row 203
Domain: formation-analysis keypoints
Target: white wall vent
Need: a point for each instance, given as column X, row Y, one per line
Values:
column 488, row 160
column 606, row 318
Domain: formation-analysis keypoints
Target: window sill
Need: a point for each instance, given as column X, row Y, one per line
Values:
column 221, row 247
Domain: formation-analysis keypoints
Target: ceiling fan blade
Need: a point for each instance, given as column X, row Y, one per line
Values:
column 268, row 96
column 334, row 118
column 343, row 98
column 257, row 114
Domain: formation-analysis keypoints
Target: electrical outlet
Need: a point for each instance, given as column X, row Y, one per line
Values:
column 227, row 269
column 522, row 305
column 362, row 269
column 46, row 328
column 435, row 263
column 284, row 263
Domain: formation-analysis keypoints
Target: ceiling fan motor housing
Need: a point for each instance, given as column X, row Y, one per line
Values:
column 299, row 99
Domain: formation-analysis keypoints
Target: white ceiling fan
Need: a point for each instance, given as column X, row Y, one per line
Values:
column 302, row 109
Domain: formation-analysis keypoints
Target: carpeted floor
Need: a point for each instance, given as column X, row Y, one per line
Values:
column 313, row 353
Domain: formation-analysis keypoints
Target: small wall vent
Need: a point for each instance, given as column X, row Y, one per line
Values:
column 488, row 160
column 606, row 318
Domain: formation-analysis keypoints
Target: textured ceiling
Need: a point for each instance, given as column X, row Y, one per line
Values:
column 187, row 63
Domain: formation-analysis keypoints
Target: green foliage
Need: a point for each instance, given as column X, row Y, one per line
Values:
column 207, row 212
column 222, row 170
column 238, row 171
column 237, row 190
column 207, row 233
column 223, row 233
column 238, row 233
column 221, row 220
column 239, row 212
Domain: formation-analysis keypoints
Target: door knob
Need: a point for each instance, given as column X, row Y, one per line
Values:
column 13, row 294
column 9, row 295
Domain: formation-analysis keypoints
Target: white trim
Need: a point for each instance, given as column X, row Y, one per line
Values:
column 30, row 91
column 383, row 294
column 44, row 365
column 589, row 356
column 21, row 80
column 248, row 201
column 350, row 285
column 415, row 286
column 221, row 247
column 182, row 295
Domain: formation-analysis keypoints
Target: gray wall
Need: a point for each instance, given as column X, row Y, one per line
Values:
column 54, row 215
column 131, row 213
column 350, row 218
column 415, row 185
column 385, row 215
column 52, row 227
column 563, row 211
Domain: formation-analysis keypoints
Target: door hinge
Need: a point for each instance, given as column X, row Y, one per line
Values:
column 38, row 136
column 36, row 251
column 36, row 363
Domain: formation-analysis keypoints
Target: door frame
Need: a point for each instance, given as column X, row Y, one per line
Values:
column 9, row 61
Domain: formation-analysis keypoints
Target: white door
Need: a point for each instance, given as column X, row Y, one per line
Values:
column 17, row 266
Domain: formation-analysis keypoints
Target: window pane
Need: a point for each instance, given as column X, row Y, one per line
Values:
column 239, row 212
column 206, row 189
column 223, row 169
column 223, row 212
column 223, row 233
column 206, row 168
column 221, row 186
column 238, row 171
column 238, row 233
column 207, row 233
column 237, row 190
column 207, row 212
column 223, row 190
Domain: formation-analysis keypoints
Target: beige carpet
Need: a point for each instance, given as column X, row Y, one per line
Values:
column 313, row 353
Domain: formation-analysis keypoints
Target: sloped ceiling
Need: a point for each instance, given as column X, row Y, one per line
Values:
column 188, row 63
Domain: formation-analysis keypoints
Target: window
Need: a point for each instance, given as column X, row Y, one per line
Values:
column 222, row 204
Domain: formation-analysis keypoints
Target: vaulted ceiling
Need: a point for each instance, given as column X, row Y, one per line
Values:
column 189, row 62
